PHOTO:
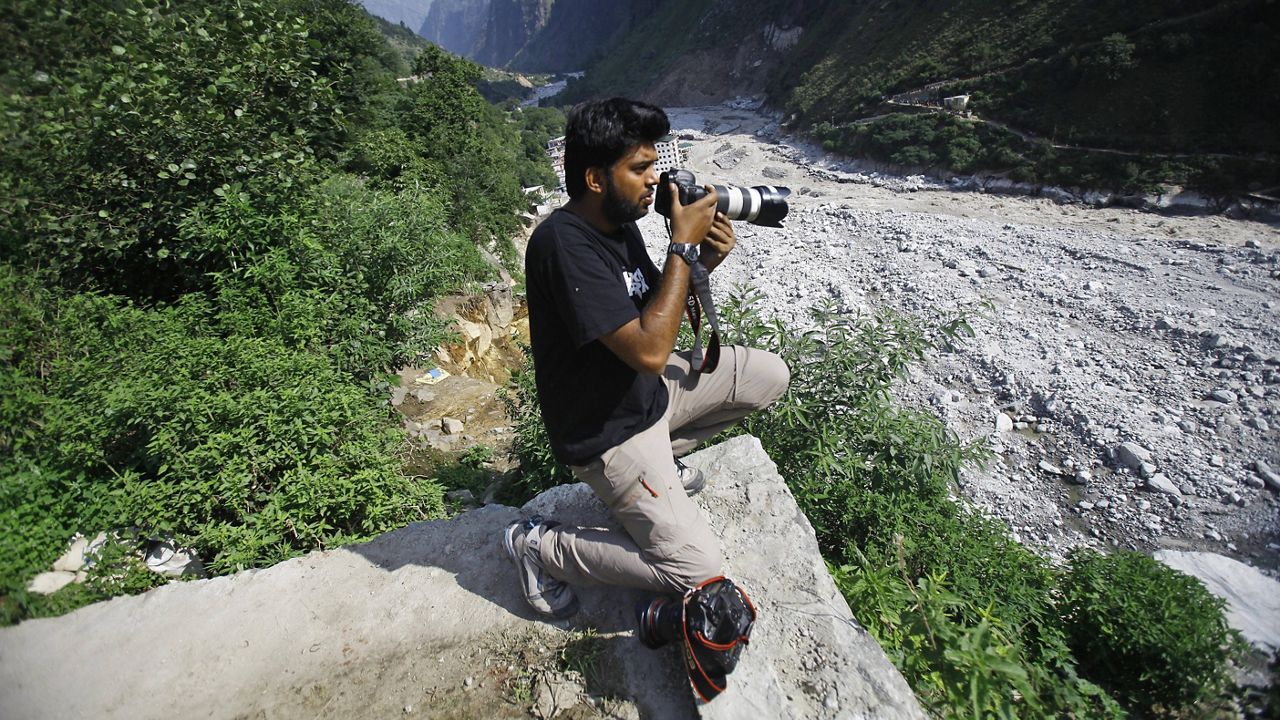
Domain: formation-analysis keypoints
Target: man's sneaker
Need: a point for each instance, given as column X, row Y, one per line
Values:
column 691, row 478
column 545, row 593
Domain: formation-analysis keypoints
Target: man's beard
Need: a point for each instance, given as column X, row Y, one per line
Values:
column 617, row 208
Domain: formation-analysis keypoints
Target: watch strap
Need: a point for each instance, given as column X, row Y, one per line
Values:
column 687, row 251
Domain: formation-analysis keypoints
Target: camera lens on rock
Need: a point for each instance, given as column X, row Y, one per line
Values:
column 659, row 621
column 758, row 205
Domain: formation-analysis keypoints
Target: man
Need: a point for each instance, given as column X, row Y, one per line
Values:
column 618, row 405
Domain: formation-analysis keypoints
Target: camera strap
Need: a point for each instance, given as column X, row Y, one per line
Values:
column 717, row 619
column 699, row 301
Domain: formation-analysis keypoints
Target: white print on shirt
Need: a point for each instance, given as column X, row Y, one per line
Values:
column 636, row 284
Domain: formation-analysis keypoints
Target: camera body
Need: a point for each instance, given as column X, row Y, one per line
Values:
column 759, row 205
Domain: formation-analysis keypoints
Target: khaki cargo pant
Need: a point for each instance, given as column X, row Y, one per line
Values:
column 667, row 546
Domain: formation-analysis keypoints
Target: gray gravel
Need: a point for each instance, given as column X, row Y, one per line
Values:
column 1099, row 331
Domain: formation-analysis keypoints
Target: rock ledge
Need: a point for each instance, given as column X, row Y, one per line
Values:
column 415, row 621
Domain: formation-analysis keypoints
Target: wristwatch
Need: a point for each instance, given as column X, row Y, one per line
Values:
column 687, row 251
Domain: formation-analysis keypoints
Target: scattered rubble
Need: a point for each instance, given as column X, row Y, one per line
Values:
column 1136, row 353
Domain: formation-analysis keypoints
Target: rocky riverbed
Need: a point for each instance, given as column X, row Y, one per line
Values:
column 1126, row 364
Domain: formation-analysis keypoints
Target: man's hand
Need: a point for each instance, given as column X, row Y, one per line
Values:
column 645, row 343
column 720, row 242
column 691, row 223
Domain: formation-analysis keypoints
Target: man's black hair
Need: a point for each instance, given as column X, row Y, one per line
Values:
column 600, row 132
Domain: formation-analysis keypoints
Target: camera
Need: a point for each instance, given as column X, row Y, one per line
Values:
column 759, row 205
column 660, row 620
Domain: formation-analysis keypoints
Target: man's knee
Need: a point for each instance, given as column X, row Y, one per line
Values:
column 692, row 566
column 769, row 377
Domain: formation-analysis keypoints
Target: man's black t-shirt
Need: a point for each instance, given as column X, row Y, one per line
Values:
column 583, row 284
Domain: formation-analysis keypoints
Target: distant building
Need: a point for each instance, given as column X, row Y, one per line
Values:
column 555, row 153
column 668, row 154
column 956, row 103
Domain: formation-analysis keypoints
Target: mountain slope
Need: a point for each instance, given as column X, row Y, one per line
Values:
column 409, row 12
column 1173, row 78
column 576, row 33
column 511, row 23
column 456, row 25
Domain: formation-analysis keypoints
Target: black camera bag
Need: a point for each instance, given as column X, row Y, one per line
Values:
column 718, row 617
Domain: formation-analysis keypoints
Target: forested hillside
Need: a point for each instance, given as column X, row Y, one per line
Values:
column 221, row 226
column 1189, row 88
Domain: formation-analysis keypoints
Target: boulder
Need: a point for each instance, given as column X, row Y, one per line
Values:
column 1161, row 484
column 1253, row 599
column 402, row 621
column 1269, row 476
column 47, row 583
column 73, row 559
column 1132, row 455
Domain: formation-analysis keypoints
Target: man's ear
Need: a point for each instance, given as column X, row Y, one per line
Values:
column 595, row 177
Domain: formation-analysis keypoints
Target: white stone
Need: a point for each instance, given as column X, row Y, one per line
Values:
column 1160, row 483
column 1004, row 423
column 47, row 583
column 73, row 559
column 1132, row 455
column 1223, row 396
column 451, row 426
column 1050, row 468
column 1253, row 599
column 165, row 558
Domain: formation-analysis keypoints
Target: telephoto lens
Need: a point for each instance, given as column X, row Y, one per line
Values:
column 659, row 621
column 758, row 205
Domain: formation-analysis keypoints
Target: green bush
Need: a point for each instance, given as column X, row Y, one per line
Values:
column 941, row 142
column 121, row 118
column 242, row 447
column 539, row 470
column 1154, row 637
column 222, row 226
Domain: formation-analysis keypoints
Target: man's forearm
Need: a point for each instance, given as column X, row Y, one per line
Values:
column 660, row 319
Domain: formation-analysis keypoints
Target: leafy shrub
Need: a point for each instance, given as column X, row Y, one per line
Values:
column 197, row 307
column 1109, row 57
column 115, row 568
column 942, row 142
column 1151, row 635
column 123, row 118
column 242, row 447
column 539, row 470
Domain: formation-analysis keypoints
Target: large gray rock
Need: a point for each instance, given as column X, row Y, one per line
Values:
column 424, row 618
column 1132, row 455
column 1253, row 599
